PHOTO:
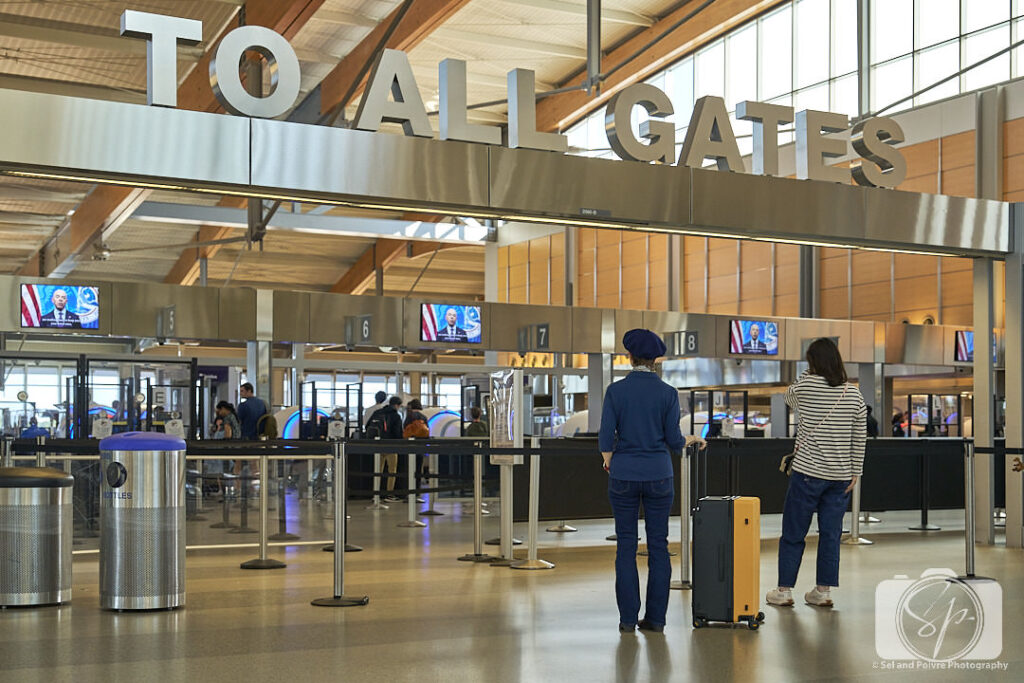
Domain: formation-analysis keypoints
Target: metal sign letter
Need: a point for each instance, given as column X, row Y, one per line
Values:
column 710, row 136
column 812, row 147
column 522, row 116
column 453, row 110
column 661, row 134
column 766, row 119
column 874, row 140
column 392, row 74
column 285, row 74
column 161, row 34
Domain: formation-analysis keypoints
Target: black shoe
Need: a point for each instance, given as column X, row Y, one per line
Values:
column 627, row 628
column 645, row 625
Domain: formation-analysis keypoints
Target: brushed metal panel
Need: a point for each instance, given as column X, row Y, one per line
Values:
column 507, row 319
column 895, row 338
column 587, row 330
column 237, row 310
column 862, row 342
column 706, row 327
column 624, row 322
column 327, row 313
column 800, row 332
column 97, row 137
column 532, row 183
column 749, row 205
column 137, row 305
column 291, row 316
column 411, row 316
column 923, row 345
column 939, row 222
column 10, row 293
column 367, row 167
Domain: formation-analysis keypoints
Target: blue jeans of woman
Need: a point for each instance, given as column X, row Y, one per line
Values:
column 807, row 495
column 656, row 498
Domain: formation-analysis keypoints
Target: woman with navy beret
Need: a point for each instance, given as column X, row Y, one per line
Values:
column 639, row 431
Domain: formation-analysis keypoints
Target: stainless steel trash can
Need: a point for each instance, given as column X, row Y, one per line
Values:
column 35, row 536
column 142, row 521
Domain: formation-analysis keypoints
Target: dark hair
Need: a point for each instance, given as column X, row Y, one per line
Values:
column 415, row 404
column 475, row 412
column 870, row 410
column 825, row 361
column 380, row 396
column 645, row 362
column 394, row 401
column 227, row 406
column 248, row 387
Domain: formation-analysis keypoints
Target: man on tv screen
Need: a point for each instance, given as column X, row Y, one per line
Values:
column 59, row 316
column 451, row 332
column 754, row 343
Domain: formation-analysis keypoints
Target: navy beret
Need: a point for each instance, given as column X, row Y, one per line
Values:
column 643, row 344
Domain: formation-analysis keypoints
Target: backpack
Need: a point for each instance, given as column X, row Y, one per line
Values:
column 416, row 429
column 376, row 428
column 267, row 426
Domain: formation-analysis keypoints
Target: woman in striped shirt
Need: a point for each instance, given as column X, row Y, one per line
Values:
column 829, row 459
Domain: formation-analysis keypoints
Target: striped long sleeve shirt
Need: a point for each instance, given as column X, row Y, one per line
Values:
column 830, row 448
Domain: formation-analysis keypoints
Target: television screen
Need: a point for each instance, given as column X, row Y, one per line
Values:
column 60, row 306
column 451, row 323
column 964, row 346
column 754, row 337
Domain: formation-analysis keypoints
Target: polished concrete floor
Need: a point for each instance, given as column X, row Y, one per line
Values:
column 431, row 618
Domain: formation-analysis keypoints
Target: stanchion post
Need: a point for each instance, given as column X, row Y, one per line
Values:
column 225, row 522
column 243, row 507
column 40, row 453
column 855, row 538
column 925, row 496
column 282, row 511
column 505, row 540
column 969, row 515
column 684, row 523
column 339, row 599
column 531, row 561
column 411, row 522
column 376, row 504
column 478, row 554
column 432, row 497
column 7, row 452
column 264, row 562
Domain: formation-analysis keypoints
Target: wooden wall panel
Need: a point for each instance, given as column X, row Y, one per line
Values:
column 834, row 303
column 871, row 301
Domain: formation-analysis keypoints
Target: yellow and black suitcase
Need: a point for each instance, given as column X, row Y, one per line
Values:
column 727, row 561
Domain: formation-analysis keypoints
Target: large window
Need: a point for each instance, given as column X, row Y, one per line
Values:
column 804, row 53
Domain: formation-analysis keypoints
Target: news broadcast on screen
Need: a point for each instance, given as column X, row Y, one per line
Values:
column 753, row 337
column 452, row 323
column 60, row 307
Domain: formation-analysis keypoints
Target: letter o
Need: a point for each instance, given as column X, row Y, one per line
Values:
column 285, row 74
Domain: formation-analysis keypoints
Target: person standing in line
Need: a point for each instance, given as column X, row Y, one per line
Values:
column 477, row 427
column 639, row 431
column 391, row 422
column 828, row 460
column 381, row 398
column 872, row 424
column 251, row 409
column 416, row 426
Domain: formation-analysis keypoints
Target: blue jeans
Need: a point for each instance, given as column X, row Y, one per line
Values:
column 807, row 495
column 626, row 497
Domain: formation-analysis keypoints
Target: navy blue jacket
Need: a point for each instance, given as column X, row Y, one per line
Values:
column 640, row 426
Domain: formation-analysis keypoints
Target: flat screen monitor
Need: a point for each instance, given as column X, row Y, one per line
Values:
column 964, row 346
column 450, row 323
column 60, row 307
column 753, row 338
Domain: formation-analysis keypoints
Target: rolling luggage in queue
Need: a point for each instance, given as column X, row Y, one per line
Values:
column 727, row 561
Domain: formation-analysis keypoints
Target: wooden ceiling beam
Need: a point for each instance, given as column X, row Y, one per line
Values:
column 378, row 256
column 557, row 112
column 422, row 19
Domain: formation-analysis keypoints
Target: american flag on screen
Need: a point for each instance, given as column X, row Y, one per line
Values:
column 31, row 312
column 964, row 353
column 736, row 337
column 428, row 324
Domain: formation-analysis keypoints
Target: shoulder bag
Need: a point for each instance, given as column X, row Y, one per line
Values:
column 786, row 465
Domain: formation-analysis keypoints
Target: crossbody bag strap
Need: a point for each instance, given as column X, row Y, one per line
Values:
column 846, row 387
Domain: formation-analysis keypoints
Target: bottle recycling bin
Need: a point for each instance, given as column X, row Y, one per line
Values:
column 35, row 536
column 142, row 521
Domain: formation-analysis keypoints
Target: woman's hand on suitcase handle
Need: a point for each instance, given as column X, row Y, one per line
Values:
column 853, row 482
column 607, row 459
column 692, row 439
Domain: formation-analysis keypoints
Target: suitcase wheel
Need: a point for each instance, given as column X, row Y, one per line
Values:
column 699, row 622
column 753, row 625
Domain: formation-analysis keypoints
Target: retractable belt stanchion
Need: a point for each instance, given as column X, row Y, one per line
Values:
column 376, row 504
column 225, row 522
column 243, row 506
column 478, row 554
column 505, row 540
column 264, row 562
column 561, row 528
column 7, row 452
column 925, row 496
column 282, row 517
column 684, row 523
column 531, row 561
column 969, row 502
column 40, row 454
column 411, row 522
column 855, row 538
column 432, row 497
column 339, row 599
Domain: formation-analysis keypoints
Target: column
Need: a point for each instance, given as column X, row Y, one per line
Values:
column 984, row 468
column 599, row 376
column 259, row 353
column 491, row 288
column 1014, row 365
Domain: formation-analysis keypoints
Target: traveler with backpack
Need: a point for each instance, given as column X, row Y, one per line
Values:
column 250, row 411
column 416, row 427
column 386, row 423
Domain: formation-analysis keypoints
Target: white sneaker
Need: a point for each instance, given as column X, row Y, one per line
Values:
column 818, row 598
column 781, row 598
